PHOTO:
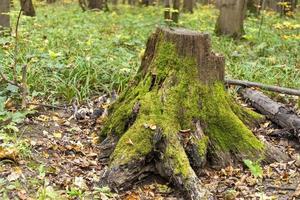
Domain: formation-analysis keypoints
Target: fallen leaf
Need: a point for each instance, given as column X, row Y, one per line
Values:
column 15, row 174
column 57, row 134
column 129, row 141
column 80, row 183
column 8, row 153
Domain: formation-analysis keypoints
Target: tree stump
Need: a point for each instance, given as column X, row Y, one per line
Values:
column 4, row 14
column 175, row 118
column 231, row 19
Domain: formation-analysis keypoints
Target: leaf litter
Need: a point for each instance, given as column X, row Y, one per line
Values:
column 63, row 163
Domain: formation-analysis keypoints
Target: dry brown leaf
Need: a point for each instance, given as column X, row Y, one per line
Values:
column 8, row 153
column 129, row 141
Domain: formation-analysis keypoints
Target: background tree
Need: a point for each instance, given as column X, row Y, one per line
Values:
column 51, row 1
column 188, row 6
column 95, row 4
column 171, row 14
column 280, row 6
column 253, row 6
column 27, row 8
column 167, row 10
column 175, row 11
column 231, row 19
column 4, row 17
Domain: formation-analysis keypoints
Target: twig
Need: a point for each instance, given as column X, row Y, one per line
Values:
column 7, row 80
column 24, row 87
column 281, row 188
column 263, row 86
column 49, row 106
column 14, row 67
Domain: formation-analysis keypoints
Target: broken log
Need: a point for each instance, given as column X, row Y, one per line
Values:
column 275, row 111
column 263, row 86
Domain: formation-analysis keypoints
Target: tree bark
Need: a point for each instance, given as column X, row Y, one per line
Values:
column 167, row 11
column 27, row 8
column 175, row 118
column 188, row 6
column 253, row 6
column 4, row 14
column 175, row 12
column 95, row 4
column 231, row 19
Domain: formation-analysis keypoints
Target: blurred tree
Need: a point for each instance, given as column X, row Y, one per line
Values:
column 93, row 5
column 171, row 14
column 12, row 3
column 51, row 1
column 281, row 6
column 175, row 11
column 27, row 8
column 167, row 11
column 188, row 6
column 4, row 17
column 253, row 6
column 231, row 19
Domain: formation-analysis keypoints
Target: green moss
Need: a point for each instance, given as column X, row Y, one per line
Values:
column 202, row 146
column 176, row 157
column 246, row 115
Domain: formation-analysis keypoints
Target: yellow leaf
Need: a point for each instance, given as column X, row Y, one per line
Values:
column 57, row 134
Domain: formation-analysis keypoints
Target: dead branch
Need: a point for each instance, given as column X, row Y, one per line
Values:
column 275, row 111
column 263, row 86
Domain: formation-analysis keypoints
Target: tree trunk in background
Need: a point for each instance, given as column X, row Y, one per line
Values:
column 167, row 10
column 188, row 6
column 51, row 1
column 12, row 4
column 204, row 2
column 176, row 118
column 231, row 19
column 131, row 2
column 4, row 11
column 175, row 12
column 114, row 2
column 252, row 6
column 279, row 5
column 95, row 4
column 27, row 8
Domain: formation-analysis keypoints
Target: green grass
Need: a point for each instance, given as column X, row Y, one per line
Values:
column 74, row 54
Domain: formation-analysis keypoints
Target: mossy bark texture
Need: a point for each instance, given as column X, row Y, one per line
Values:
column 175, row 117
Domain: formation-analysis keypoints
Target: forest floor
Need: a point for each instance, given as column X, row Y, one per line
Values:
column 73, row 56
column 63, row 163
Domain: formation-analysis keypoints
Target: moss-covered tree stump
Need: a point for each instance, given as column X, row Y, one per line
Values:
column 175, row 118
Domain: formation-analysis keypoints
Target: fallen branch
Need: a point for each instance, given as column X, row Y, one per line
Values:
column 263, row 86
column 276, row 112
column 58, row 107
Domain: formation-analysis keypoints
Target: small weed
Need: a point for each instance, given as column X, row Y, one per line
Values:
column 254, row 168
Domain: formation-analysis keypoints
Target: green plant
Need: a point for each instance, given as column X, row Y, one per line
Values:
column 254, row 168
column 74, row 192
